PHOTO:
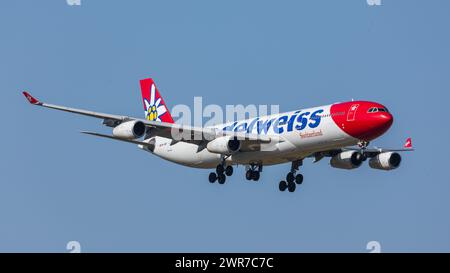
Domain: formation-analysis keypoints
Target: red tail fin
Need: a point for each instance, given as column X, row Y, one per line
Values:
column 154, row 106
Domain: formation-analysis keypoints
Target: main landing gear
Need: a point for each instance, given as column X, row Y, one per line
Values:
column 292, row 178
column 221, row 173
column 253, row 172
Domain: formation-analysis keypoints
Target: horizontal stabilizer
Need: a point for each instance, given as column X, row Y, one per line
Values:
column 120, row 139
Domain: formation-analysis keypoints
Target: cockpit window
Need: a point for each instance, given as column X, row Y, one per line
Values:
column 377, row 109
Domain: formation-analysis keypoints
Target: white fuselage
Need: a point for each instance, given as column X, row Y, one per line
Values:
column 300, row 137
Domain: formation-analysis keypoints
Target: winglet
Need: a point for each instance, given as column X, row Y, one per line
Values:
column 30, row 98
column 408, row 143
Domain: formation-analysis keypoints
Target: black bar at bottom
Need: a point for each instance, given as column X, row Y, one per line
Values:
column 242, row 262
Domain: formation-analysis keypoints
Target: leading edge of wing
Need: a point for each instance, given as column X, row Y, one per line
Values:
column 377, row 150
column 35, row 101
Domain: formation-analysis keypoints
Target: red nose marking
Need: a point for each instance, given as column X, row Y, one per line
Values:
column 355, row 119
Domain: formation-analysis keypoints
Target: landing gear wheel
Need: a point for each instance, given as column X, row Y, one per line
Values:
column 283, row 185
column 219, row 169
column 221, row 178
column 299, row 179
column 212, row 177
column 290, row 177
column 291, row 186
column 248, row 175
column 255, row 175
column 229, row 170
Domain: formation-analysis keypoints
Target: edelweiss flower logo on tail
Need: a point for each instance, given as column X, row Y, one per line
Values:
column 154, row 109
column 154, row 106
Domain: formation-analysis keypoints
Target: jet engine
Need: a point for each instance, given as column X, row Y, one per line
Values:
column 386, row 161
column 224, row 145
column 129, row 130
column 347, row 160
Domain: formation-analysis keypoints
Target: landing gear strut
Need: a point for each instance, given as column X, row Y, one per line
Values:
column 253, row 172
column 363, row 146
column 292, row 178
column 221, row 173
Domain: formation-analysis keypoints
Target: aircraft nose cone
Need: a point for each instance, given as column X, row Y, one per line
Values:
column 380, row 123
column 375, row 125
column 385, row 120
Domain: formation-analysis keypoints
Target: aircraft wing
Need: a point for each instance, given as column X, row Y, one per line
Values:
column 164, row 129
column 368, row 152
column 371, row 152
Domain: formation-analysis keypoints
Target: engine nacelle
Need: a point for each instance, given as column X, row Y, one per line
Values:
column 129, row 130
column 347, row 160
column 386, row 161
column 224, row 145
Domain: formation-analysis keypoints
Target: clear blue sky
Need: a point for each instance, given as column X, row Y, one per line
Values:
column 57, row 185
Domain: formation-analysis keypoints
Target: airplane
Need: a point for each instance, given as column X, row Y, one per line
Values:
column 340, row 131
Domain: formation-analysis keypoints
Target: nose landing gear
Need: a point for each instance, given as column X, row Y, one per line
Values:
column 363, row 146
